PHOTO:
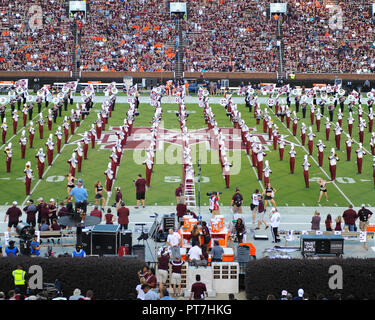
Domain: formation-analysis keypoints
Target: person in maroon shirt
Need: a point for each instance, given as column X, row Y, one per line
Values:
column 109, row 217
column 31, row 211
column 43, row 211
column 140, row 186
column 13, row 213
column 151, row 279
column 198, row 289
column 350, row 216
column 123, row 215
column 96, row 212
column 178, row 193
column 181, row 209
column 176, row 275
column 163, row 267
column 54, row 226
column 52, row 210
column 118, row 195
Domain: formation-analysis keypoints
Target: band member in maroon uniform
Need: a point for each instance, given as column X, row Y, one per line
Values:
column 41, row 162
column 373, row 169
column 92, row 136
column 321, row 148
column 24, row 114
column 328, row 128
column 332, row 164
column 15, row 121
column 41, row 125
column 260, row 155
column 149, row 163
column 294, row 123
column 303, row 133
column 31, row 134
column 338, row 132
column 4, row 128
column 362, row 126
column 226, row 172
column 310, row 143
column 72, row 164
column 72, row 120
column 270, row 126
column 312, row 114
column 287, row 114
column 370, row 120
column 66, row 129
column 58, row 135
column 86, row 142
column 109, row 175
column 281, row 148
column 318, row 119
column 292, row 158
column 348, row 143
column 360, row 153
column 79, row 152
column 49, row 119
column 23, row 143
column 99, row 125
column 254, row 150
column 339, row 117
column 372, row 143
column 275, row 136
column 306, row 166
column 28, row 177
column 350, row 124
column 267, row 171
column 8, row 153
column 114, row 160
column 50, row 148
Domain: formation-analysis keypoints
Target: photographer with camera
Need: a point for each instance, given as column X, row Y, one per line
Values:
column 140, row 187
column 237, row 201
column 214, row 202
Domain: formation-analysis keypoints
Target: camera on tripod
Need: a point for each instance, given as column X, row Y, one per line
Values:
column 26, row 234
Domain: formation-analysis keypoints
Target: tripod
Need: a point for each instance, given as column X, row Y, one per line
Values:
column 144, row 237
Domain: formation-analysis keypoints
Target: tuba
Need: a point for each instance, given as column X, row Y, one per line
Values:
column 29, row 98
column 60, row 95
column 341, row 92
column 65, row 90
column 19, row 90
column 55, row 100
column 40, row 93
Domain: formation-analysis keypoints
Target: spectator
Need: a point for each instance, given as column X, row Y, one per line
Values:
column 198, row 289
column 195, row 253
column 315, row 221
column 123, row 215
column 338, row 224
column 55, row 227
column 13, row 213
column 12, row 295
column 350, row 216
column 76, row 295
column 11, row 250
column 109, row 217
column 163, row 267
column 240, row 230
column 30, row 211
column 44, row 226
column 179, row 192
column 35, row 247
column 79, row 253
column 173, row 241
column 217, row 252
column 140, row 185
column 300, row 295
column 364, row 215
column 118, row 197
column 284, row 295
column 138, row 289
column 177, row 264
column 181, row 208
column 195, row 236
column 43, row 211
column 89, row 295
column 96, row 212
column 231, row 297
column 149, row 293
column 151, row 279
column 205, row 233
column 165, row 295
column 271, row 297
column 328, row 223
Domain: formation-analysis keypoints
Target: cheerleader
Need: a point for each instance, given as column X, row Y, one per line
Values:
column 323, row 189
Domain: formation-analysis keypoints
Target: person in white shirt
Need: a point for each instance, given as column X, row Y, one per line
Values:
column 275, row 222
column 138, row 289
column 173, row 241
column 254, row 203
column 195, row 253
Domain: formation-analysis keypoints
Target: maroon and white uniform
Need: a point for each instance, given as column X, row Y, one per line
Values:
column 306, row 165
column 332, row 164
column 25, row 110
column 287, row 114
column 310, row 143
column 8, row 157
column 360, row 153
column 339, row 117
column 41, row 162
column 41, row 126
column 254, row 150
column 15, row 121
column 86, row 142
column 72, row 122
column 31, row 134
column 303, row 133
column 23, row 143
column 92, row 136
column 370, row 120
column 312, row 114
column 98, row 128
column 361, row 127
column 318, row 120
column 149, row 163
column 348, row 143
column 338, row 131
column 50, row 148
column 275, row 136
column 350, row 124
column 49, row 119
column 267, row 171
column 28, row 177
column 292, row 159
column 294, row 123
column 79, row 152
column 281, row 148
column 58, row 135
column 114, row 161
column 109, row 176
column 66, row 129
column 72, row 164
column 260, row 155
column 328, row 128
column 321, row 148
column 4, row 129
column 372, row 143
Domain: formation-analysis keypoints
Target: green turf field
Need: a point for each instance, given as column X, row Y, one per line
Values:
column 291, row 190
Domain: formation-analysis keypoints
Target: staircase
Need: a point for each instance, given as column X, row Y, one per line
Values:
column 281, row 75
column 76, row 52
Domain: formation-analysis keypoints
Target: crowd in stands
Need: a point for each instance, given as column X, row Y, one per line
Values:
column 220, row 35
column 35, row 36
column 322, row 39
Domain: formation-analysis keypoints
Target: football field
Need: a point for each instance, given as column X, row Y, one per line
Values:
column 349, row 186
